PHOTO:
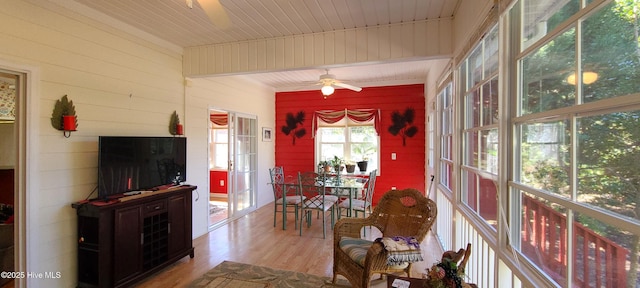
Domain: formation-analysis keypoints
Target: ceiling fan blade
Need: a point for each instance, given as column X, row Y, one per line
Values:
column 216, row 13
column 345, row 85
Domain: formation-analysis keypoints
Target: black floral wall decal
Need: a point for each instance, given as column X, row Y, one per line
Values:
column 292, row 126
column 403, row 124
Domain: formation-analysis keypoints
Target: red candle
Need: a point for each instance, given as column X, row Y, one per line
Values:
column 69, row 123
column 179, row 129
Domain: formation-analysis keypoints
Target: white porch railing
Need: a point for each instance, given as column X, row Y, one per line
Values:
column 484, row 268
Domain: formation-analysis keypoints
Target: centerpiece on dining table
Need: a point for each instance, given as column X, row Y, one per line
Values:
column 324, row 166
column 350, row 166
column 337, row 163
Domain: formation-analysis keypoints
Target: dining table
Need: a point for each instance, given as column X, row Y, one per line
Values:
column 350, row 184
column 344, row 186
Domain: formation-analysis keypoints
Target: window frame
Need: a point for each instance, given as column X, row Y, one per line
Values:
column 346, row 144
column 214, row 146
column 571, row 114
column 446, row 134
column 474, row 79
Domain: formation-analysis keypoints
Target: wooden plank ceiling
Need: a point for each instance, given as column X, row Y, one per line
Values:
column 175, row 22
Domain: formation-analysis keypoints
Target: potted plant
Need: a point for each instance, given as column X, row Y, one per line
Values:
column 362, row 165
column 363, row 151
column 336, row 163
column 350, row 165
column 324, row 166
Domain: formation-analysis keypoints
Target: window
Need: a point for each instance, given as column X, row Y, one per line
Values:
column 446, row 136
column 479, row 94
column 577, row 175
column 431, row 126
column 219, row 148
column 351, row 143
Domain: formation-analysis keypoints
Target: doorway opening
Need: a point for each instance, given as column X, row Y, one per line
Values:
column 218, row 166
column 232, row 165
column 12, row 86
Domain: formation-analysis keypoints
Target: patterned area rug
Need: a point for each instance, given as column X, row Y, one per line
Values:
column 238, row 275
column 216, row 209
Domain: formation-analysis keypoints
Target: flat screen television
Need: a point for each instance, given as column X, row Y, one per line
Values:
column 128, row 163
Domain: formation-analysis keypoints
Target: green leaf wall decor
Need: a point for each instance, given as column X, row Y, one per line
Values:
column 63, row 107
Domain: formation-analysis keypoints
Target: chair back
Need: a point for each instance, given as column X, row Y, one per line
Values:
column 277, row 181
column 371, row 184
column 404, row 213
column 312, row 184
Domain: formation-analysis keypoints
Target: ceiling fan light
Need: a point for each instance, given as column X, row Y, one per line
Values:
column 327, row 90
column 588, row 77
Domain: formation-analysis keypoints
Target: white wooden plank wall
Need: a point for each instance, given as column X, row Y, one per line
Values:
column 119, row 85
column 424, row 39
column 234, row 94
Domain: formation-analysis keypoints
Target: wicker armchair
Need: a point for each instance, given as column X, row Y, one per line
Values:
column 399, row 213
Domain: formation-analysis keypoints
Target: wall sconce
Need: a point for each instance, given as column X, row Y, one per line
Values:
column 587, row 78
column 327, row 90
column 64, row 116
column 69, row 124
column 175, row 128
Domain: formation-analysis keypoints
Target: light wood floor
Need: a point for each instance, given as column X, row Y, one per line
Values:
column 217, row 200
column 252, row 239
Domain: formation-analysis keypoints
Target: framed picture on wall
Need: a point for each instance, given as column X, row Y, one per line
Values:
column 266, row 134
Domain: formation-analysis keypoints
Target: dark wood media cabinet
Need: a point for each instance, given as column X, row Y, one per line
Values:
column 121, row 243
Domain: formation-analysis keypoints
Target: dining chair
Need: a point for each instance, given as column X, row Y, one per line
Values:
column 318, row 198
column 285, row 195
column 360, row 204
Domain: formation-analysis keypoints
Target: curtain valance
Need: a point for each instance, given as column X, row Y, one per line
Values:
column 356, row 115
column 219, row 119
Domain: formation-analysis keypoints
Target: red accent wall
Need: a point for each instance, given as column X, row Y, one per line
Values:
column 407, row 171
column 214, row 181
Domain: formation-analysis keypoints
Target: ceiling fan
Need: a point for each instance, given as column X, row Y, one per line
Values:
column 214, row 10
column 329, row 80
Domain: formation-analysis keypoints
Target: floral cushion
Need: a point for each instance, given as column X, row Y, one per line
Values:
column 356, row 248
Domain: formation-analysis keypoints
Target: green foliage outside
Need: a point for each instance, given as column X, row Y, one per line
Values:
column 608, row 144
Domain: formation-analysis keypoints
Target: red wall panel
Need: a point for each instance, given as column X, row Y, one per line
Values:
column 214, row 181
column 407, row 171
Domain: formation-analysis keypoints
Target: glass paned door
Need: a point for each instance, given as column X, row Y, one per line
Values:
column 242, row 164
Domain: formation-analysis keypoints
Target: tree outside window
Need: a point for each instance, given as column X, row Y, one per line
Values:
column 578, row 146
